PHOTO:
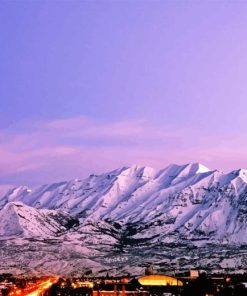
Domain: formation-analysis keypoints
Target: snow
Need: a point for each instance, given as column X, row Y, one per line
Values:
column 177, row 204
column 191, row 195
column 18, row 219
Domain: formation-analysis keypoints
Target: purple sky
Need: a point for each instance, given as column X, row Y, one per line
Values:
column 88, row 86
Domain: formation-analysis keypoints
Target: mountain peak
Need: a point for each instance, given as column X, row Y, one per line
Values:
column 141, row 171
column 186, row 170
column 197, row 167
column 242, row 173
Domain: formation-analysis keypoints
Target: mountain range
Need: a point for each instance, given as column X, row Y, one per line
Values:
column 177, row 218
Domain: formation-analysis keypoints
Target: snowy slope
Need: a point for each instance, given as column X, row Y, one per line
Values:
column 131, row 213
column 188, row 199
column 21, row 220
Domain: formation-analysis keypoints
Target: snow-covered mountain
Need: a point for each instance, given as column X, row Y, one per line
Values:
column 135, row 208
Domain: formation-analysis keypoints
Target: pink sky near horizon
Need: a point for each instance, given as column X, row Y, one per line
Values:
column 70, row 148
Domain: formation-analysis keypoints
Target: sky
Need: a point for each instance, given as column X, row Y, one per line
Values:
column 90, row 86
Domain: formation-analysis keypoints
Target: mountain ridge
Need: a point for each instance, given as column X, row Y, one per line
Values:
column 139, row 211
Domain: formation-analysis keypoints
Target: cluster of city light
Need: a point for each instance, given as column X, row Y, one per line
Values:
column 77, row 285
column 34, row 289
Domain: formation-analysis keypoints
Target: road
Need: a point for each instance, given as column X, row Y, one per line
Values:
column 34, row 289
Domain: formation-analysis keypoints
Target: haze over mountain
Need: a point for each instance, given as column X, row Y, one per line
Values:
column 152, row 216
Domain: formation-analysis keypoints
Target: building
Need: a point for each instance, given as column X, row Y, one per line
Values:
column 159, row 280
